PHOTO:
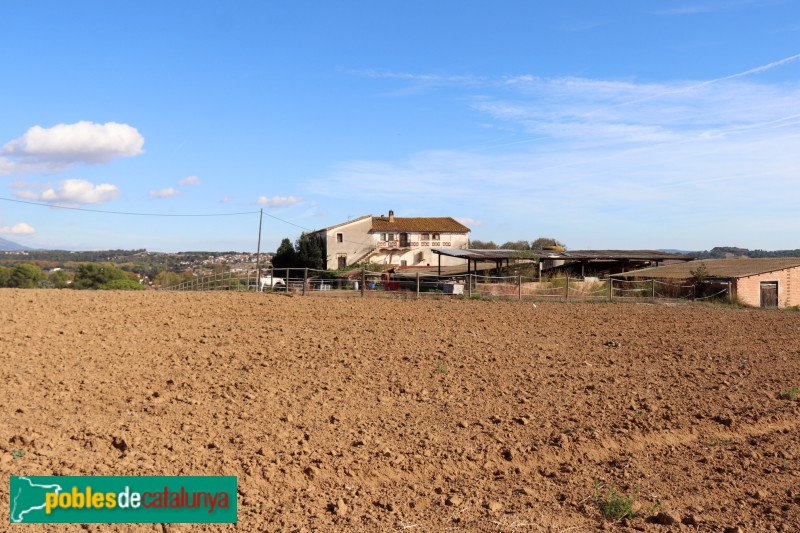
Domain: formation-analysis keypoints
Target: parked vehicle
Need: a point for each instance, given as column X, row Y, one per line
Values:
column 271, row 283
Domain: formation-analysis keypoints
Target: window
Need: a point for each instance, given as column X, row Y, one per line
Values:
column 403, row 263
column 435, row 236
column 383, row 236
column 426, row 236
column 341, row 261
column 391, row 236
column 339, row 237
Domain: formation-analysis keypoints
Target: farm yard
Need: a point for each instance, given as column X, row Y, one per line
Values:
column 353, row 414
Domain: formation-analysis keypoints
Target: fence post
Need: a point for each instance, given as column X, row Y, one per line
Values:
column 610, row 288
column 653, row 281
column 417, row 296
column 566, row 289
column 363, row 281
column 469, row 286
column 730, row 294
column 519, row 287
column 305, row 280
column 287, row 281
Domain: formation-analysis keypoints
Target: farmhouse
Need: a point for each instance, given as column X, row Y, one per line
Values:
column 757, row 282
column 391, row 240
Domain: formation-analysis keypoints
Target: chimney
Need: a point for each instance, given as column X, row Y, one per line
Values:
column 391, row 215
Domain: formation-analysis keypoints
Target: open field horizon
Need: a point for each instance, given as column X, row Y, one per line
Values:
column 354, row 414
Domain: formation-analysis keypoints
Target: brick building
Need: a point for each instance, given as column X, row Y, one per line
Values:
column 757, row 282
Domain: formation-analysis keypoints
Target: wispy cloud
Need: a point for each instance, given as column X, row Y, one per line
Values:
column 632, row 155
column 432, row 79
column 169, row 192
column 73, row 192
column 469, row 222
column 694, row 7
column 190, row 180
column 64, row 145
column 279, row 201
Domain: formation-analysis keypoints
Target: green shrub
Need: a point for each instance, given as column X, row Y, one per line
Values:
column 122, row 285
column 616, row 505
column 790, row 394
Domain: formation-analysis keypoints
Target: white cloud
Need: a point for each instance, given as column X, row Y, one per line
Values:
column 63, row 145
column 169, row 192
column 73, row 191
column 191, row 180
column 6, row 166
column 17, row 229
column 469, row 222
column 225, row 199
column 279, row 201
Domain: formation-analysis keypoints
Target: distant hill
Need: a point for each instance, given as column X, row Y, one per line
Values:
column 723, row 252
column 675, row 251
column 10, row 246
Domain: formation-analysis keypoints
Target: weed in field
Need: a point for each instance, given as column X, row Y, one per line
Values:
column 18, row 454
column 790, row 394
column 616, row 505
column 441, row 367
column 718, row 441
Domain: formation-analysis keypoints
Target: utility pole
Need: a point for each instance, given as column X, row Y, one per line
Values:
column 258, row 250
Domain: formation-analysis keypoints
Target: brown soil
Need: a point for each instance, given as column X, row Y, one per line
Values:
column 377, row 414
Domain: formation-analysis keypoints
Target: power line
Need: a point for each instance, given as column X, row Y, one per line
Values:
column 287, row 222
column 129, row 213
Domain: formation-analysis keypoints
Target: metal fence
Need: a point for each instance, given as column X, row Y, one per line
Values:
column 374, row 284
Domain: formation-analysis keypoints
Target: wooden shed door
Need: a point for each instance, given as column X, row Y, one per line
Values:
column 769, row 294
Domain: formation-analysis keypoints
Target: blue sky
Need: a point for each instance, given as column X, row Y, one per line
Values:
column 626, row 124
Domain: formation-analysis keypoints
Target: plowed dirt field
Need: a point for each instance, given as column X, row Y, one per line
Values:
column 352, row 414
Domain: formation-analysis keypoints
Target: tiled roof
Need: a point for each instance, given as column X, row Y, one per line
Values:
column 417, row 224
column 341, row 224
column 718, row 268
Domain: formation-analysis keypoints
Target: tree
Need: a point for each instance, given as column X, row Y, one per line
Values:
column 481, row 245
column 5, row 276
column 59, row 279
column 167, row 279
column 122, row 285
column 285, row 256
column 25, row 276
column 518, row 245
column 543, row 242
column 97, row 275
column 700, row 279
column 310, row 251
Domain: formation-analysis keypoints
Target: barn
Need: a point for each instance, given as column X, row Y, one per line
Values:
column 773, row 282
